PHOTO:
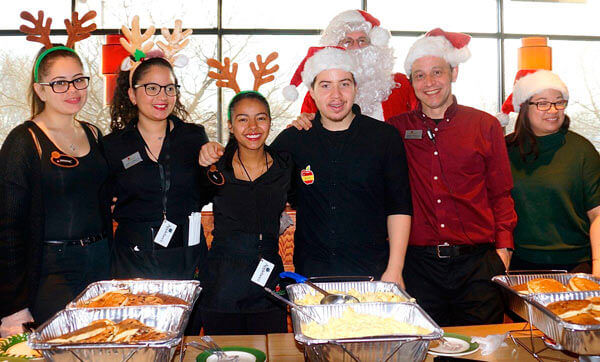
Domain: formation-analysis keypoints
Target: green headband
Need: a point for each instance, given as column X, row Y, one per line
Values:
column 236, row 96
column 48, row 51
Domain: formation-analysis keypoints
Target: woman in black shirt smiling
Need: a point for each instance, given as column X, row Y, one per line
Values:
column 155, row 176
column 250, row 195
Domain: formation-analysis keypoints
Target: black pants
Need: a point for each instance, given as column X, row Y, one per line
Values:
column 456, row 291
column 65, row 272
column 216, row 323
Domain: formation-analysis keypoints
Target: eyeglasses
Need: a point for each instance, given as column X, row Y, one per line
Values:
column 545, row 106
column 363, row 41
column 153, row 89
column 62, row 86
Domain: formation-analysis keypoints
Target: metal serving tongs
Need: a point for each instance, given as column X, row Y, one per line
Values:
column 328, row 298
column 304, row 311
column 208, row 344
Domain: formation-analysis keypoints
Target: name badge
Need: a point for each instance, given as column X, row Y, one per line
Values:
column 413, row 134
column 132, row 160
column 165, row 233
column 262, row 272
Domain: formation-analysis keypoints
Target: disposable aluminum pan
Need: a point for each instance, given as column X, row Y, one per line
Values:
column 298, row 291
column 577, row 338
column 518, row 302
column 169, row 319
column 188, row 290
column 379, row 348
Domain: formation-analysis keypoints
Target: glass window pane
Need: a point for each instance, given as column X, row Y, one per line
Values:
column 477, row 82
column 291, row 49
column 10, row 17
column 533, row 17
column 424, row 15
column 308, row 14
column 575, row 63
column 113, row 14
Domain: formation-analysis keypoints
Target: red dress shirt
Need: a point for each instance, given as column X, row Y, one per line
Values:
column 402, row 99
column 460, row 184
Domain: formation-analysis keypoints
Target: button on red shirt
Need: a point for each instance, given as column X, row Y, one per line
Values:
column 460, row 185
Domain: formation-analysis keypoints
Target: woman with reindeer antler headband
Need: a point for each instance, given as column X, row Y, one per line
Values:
column 250, row 185
column 152, row 154
column 53, row 225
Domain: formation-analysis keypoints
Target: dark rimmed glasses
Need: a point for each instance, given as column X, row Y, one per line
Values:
column 153, row 89
column 62, row 86
column 545, row 106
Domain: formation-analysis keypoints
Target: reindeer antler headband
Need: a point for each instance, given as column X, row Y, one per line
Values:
column 40, row 33
column 136, row 44
column 226, row 78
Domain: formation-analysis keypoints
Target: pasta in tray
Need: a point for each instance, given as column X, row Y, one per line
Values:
column 353, row 325
column 124, row 297
column 310, row 299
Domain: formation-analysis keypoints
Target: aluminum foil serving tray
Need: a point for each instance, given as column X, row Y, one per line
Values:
column 299, row 291
column 577, row 338
column 188, row 290
column 168, row 319
column 380, row 348
column 518, row 302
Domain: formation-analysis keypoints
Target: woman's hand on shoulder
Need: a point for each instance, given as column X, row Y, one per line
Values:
column 210, row 153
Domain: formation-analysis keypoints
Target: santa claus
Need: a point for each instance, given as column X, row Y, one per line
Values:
column 381, row 93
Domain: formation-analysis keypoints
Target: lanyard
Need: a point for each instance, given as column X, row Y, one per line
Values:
column 164, row 168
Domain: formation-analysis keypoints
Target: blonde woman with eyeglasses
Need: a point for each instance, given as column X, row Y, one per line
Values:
column 556, row 175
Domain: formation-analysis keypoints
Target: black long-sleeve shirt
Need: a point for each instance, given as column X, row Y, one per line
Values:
column 346, row 184
column 138, row 188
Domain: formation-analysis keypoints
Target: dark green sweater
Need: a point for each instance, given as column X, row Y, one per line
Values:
column 552, row 196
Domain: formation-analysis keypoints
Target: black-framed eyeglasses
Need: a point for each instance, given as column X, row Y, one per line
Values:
column 545, row 106
column 153, row 89
column 62, row 86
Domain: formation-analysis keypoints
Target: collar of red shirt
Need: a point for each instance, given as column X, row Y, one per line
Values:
column 449, row 114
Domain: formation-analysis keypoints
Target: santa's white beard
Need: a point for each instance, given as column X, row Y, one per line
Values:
column 375, row 77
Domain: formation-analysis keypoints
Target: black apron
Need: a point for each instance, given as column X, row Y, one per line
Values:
column 225, row 279
column 136, row 255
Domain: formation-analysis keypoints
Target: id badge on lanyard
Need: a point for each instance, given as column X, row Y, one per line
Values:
column 167, row 228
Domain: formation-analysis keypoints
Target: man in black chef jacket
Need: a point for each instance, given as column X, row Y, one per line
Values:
column 350, row 180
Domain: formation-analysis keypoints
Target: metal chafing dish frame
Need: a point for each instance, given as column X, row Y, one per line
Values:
column 522, row 304
column 379, row 348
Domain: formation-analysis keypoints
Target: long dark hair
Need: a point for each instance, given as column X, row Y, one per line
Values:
column 122, row 111
column 524, row 138
column 35, row 103
column 232, row 144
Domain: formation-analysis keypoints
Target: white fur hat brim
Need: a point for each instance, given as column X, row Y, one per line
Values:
column 326, row 59
column 437, row 46
column 533, row 83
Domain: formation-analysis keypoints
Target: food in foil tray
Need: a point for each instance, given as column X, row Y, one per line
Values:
column 107, row 331
column 549, row 285
column 580, row 311
column 124, row 297
column 309, row 299
column 353, row 325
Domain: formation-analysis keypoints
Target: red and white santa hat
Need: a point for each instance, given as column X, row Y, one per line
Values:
column 453, row 47
column 529, row 82
column 355, row 20
column 317, row 60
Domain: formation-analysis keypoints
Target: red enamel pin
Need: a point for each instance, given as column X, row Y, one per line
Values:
column 307, row 176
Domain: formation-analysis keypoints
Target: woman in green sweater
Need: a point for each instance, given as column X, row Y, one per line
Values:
column 556, row 175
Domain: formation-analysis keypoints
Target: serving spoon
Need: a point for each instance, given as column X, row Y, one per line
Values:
column 329, row 298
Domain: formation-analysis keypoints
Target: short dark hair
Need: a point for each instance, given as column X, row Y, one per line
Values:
column 312, row 84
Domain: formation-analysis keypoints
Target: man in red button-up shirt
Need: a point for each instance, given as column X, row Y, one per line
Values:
column 461, row 235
